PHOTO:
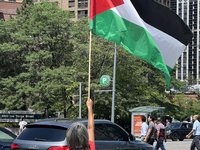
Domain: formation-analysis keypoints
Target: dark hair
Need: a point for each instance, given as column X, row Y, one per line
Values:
column 144, row 119
column 21, row 119
column 159, row 120
column 152, row 118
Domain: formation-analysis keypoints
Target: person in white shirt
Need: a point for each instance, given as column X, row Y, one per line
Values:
column 144, row 128
column 196, row 133
column 21, row 125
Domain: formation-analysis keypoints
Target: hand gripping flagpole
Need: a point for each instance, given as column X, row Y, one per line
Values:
column 89, row 63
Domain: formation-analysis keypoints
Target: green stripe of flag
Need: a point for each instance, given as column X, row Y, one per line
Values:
column 132, row 37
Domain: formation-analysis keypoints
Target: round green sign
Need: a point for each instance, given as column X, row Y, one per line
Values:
column 105, row 80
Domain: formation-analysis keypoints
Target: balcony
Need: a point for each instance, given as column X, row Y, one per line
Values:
column 82, row 16
column 83, row 4
column 71, row 4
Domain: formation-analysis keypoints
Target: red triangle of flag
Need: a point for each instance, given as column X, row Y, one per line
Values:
column 99, row 6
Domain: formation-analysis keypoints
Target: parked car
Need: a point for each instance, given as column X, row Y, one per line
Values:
column 51, row 135
column 179, row 130
column 6, row 138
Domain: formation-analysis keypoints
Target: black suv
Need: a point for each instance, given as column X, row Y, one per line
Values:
column 50, row 135
column 179, row 130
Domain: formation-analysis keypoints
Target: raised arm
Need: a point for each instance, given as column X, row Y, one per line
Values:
column 90, row 120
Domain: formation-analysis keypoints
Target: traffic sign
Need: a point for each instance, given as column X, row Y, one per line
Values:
column 105, row 80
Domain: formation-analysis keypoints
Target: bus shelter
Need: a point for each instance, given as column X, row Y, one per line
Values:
column 138, row 112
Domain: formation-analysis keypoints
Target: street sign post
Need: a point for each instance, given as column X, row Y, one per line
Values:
column 105, row 80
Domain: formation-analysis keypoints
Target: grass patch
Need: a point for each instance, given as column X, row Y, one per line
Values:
column 9, row 125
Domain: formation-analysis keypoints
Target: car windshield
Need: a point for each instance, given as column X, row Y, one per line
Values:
column 190, row 125
column 174, row 125
column 4, row 137
column 44, row 133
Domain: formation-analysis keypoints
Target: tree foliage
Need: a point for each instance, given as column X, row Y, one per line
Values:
column 44, row 56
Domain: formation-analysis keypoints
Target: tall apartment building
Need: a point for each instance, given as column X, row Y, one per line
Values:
column 173, row 5
column 166, row 3
column 189, row 61
column 79, row 7
column 8, row 8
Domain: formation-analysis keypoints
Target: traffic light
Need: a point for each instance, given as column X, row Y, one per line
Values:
column 72, row 101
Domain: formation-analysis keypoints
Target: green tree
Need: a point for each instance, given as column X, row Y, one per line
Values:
column 43, row 62
column 191, row 79
column 36, row 52
column 137, row 82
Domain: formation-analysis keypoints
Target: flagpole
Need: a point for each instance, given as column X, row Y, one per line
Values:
column 113, row 90
column 89, row 63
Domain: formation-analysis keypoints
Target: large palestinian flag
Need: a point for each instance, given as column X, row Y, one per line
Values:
column 145, row 28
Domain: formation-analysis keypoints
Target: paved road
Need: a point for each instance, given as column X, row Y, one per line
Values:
column 177, row 145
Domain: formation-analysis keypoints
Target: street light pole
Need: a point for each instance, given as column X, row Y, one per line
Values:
column 80, row 100
column 113, row 90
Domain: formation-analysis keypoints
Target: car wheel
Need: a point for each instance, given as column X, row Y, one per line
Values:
column 181, row 139
column 175, row 136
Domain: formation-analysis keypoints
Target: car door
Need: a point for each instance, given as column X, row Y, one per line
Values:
column 6, row 139
column 102, row 140
column 189, row 128
column 120, row 138
column 183, row 131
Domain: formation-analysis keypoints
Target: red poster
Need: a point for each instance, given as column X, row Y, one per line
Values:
column 137, row 124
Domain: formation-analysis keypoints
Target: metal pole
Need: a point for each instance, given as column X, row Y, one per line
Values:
column 113, row 90
column 80, row 101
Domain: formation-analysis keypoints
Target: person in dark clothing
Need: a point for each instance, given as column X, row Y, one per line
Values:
column 150, row 137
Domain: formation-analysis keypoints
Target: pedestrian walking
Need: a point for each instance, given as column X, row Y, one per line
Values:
column 160, row 135
column 80, row 137
column 196, row 132
column 144, row 128
column 151, row 131
column 155, row 123
column 167, row 122
column 22, row 125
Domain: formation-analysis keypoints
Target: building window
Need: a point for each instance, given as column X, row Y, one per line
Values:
column 82, row 13
column 184, row 65
column 185, row 12
column 184, row 75
column 168, row 3
column 71, row 4
column 180, row 10
column 194, row 39
column 199, row 66
column 12, row 0
column 72, row 14
column 82, row 3
column 179, row 68
column 179, row 76
column 199, row 39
